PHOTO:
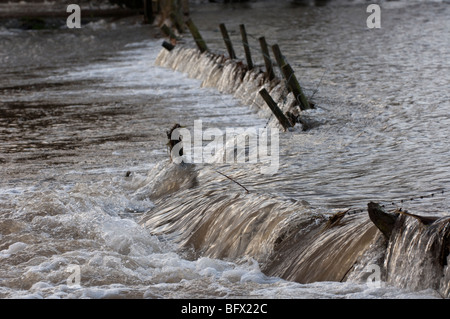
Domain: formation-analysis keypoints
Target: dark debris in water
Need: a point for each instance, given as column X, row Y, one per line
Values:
column 307, row 122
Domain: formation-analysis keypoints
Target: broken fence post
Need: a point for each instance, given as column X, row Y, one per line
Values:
column 295, row 87
column 267, row 60
column 168, row 32
column 248, row 55
column 196, row 35
column 168, row 46
column 226, row 39
column 275, row 109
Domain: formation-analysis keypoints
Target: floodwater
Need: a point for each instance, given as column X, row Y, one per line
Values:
column 86, row 183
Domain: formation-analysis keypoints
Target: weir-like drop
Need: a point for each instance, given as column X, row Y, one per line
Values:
column 288, row 238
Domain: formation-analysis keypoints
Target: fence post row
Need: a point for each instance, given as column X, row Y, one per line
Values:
column 286, row 70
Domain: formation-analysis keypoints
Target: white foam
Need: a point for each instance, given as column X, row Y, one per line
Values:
column 13, row 249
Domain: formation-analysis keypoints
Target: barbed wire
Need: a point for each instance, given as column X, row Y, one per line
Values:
column 398, row 204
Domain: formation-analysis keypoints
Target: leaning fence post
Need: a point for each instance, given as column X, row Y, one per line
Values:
column 295, row 87
column 168, row 32
column 266, row 55
column 278, row 56
column 226, row 39
column 248, row 55
column 275, row 109
column 156, row 8
column 196, row 35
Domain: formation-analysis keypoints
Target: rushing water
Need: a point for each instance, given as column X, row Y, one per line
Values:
column 86, row 179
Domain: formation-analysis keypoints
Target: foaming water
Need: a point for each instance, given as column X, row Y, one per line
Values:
column 414, row 249
column 86, row 179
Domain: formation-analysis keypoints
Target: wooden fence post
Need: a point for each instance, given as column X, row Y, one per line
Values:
column 295, row 87
column 196, row 35
column 177, row 21
column 226, row 39
column 168, row 32
column 148, row 12
column 278, row 56
column 267, row 60
column 248, row 55
column 168, row 46
column 275, row 109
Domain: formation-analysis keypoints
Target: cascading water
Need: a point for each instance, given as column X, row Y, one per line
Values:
column 229, row 226
column 290, row 239
column 228, row 77
column 418, row 255
column 87, row 182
